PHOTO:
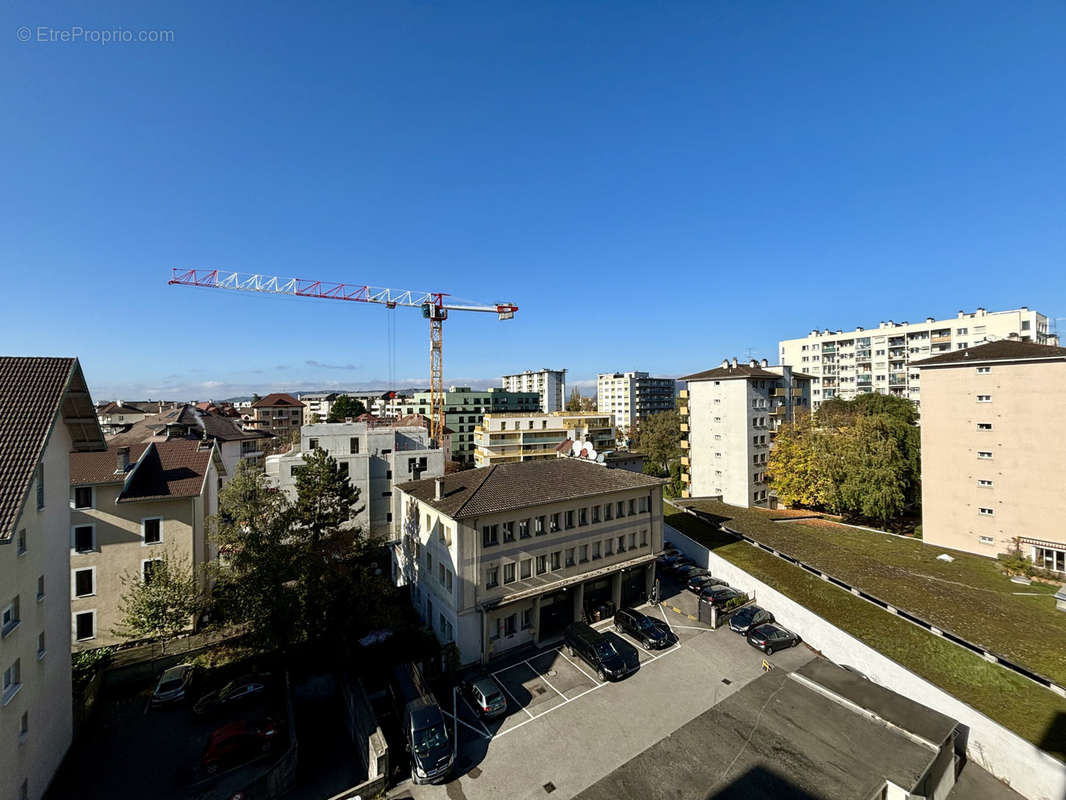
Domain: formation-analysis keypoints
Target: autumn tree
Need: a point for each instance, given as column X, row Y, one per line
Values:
column 162, row 601
column 574, row 403
column 798, row 467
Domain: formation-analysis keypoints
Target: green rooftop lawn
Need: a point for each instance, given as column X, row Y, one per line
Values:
column 1030, row 710
column 969, row 597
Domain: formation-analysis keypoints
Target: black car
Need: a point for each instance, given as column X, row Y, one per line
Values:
column 686, row 571
column 680, row 563
column 718, row 596
column 668, row 557
column 771, row 637
column 649, row 632
column 484, row 696
column 596, row 650
column 231, row 695
column 748, row 617
column 697, row 583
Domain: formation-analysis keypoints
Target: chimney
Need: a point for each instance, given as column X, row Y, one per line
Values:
column 123, row 460
column 860, row 329
column 961, row 314
column 734, row 363
column 438, row 489
column 753, row 363
column 725, row 363
column 765, row 363
column 930, row 319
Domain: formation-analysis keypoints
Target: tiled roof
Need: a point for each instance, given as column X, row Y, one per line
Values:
column 32, row 392
column 217, row 426
column 160, row 470
column 276, row 400
column 118, row 408
column 506, row 487
column 739, row 371
column 1002, row 350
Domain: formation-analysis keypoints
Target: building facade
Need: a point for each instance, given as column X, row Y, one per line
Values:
column 280, row 414
column 506, row 438
column 318, row 405
column 846, row 363
column 633, row 396
column 509, row 555
column 116, row 415
column 375, row 456
column 728, row 418
column 464, row 409
column 130, row 505
column 994, row 451
column 47, row 413
column 550, row 384
column 390, row 405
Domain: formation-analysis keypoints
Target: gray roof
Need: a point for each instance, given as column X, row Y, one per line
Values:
column 32, row 392
column 505, row 487
column 1002, row 350
column 740, row 371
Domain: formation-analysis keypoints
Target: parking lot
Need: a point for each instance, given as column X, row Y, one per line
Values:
column 564, row 729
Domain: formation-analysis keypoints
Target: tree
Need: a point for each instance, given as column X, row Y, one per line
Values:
column 255, row 398
column 256, row 567
column 314, row 419
column 161, row 603
column 588, row 404
column 574, row 403
column 797, row 466
column 659, row 437
column 875, row 472
column 345, row 407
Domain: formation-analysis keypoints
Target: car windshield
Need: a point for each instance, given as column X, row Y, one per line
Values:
column 605, row 649
column 427, row 739
column 646, row 624
column 169, row 686
column 744, row 616
column 227, row 690
column 493, row 697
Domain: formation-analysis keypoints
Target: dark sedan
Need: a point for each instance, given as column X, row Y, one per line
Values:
column 686, row 571
column 231, row 695
column 718, row 596
column 651, row 633
column 698, row 583
column 748, row 617
column 680, row 564
column 771, row 637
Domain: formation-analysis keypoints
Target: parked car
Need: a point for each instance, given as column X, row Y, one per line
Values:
column 698, row 583
column 668, row 557
column 231, row 695
column 748, row 617
column 237, row 742
column 173, row 685
column 651, row 633
column 668, row 545
column 771, row 637
column 680, row 563
column 718, row 596
column 596, row 650
column 484, row 696
column 684, row 571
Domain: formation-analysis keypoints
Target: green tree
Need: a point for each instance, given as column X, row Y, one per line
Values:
column 257, row 562
column 314, row 419
column 345, row 407
column 161, row 603
column 659, row 437
column 574, row 403
column 875, row 475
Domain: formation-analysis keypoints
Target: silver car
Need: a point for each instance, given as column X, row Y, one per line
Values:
column 173, row 684
column 483, row 693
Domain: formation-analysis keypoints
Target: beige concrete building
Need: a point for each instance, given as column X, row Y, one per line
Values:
column 846, row 363
column 45, row 413
column 729, row 415
column 504, row 556
column 279, row 413
column 507, row 438
column 994, row 450
column 130, row 504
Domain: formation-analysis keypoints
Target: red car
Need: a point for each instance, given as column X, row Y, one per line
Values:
column 238, row 742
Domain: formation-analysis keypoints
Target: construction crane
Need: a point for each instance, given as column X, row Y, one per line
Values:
column 433, row 304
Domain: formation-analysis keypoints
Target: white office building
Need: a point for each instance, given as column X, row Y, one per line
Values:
column 632, row 396
column 728, row 417
column 846, row 363
column 506, row 438
column 550, row 384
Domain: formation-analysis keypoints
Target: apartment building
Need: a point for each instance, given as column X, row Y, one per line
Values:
column 318, row 404
column 550, row 384
column 390, row 405
column 279, row 413
column 508, row 555
column 237, row 440
column 846, row 363
column 464, row 409
column 632, row 396
column 506, row 438
column 374, row 454
column 46, row 412
column 994, row 450
column 728, row 418
column 130, row 504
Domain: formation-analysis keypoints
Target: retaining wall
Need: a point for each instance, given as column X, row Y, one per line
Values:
column 1027, row 769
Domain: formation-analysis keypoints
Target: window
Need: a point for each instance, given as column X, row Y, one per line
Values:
column 584, row 553
column 542, row 564
column 40, row 588
column 353, row 445
column 85, row 582
column 312, row 444
column 83, row 497
column 595, row 514
column 152, row 530
column 12, row 680
column 448, row 580
column 984, row 484
column 21, row 546
column 569, row 520
column 556, row 559
column 595, row 550
column 608, row 547
column 509, row 573
column 508, row 531
column 40, row 486
column 85, row 626
column 492, row 577
column 987, row 540
column 621, row 509
column 622, row 543
column 985, row 512
column 510, row 624
column 1050, row 558
column 555, row 521
column 642, row 506
column 983, row 370
column 525, row 568
column 984, row 426
column 10, row 617
column 149, row 567
column 523, row 529
column 984, row 454
column 608, row 512
column 40, row 646
column 569, row 556
column 527, row 618
column 984, row 398
column 643, row 538
column 440, row 573
column 342, row 468
column 632, row 540
column 583, row 516
column 490, row 535
column 538, row 526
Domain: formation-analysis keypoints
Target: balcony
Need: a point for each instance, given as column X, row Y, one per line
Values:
column 778, row 411
column 683, row 394
column 682, row 410
column 684, row 444
column 797, row 393
column 945, row 339
column 778, row 392
column 897, row 379
column 684, row 427
column 686, row 478
column 684, row 461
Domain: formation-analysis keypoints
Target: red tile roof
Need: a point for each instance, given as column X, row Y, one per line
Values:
column 159, row 470
column 277, row 400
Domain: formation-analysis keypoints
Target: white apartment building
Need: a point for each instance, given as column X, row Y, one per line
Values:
column 506, row 438
column 728, row 417
column 550, row 384
column 374, row 454
column 319, row 403
column 390, row 405
column 846, row 363
column 632, row 396
column 47, row 413
column 509, row 555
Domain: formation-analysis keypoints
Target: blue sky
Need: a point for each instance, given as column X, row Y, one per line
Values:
column 656, row 185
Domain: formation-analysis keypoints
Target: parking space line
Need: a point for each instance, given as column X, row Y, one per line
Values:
column 692, row 627
column 544, row 678
column 531, row 716
column 667, row 621
column 510, row 666
column 476, row 715
column 594, row 680
column 465, row 724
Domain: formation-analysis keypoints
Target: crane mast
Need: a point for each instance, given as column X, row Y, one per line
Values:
column 433, row 306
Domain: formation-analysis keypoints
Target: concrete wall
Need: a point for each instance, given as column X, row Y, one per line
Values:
column 1029, row 771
